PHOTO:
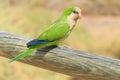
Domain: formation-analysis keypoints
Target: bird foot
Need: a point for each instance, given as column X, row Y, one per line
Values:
column 63, row 46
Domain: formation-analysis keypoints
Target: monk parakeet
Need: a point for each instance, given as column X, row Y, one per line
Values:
column 55, row 33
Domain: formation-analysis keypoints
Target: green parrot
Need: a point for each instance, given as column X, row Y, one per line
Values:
column 55, row 33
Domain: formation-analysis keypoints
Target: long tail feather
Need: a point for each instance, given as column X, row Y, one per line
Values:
column 22, row 55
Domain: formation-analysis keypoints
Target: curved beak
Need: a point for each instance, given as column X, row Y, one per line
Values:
column 79, row 15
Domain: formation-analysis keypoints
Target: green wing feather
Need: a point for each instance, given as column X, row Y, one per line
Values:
column 55, row 32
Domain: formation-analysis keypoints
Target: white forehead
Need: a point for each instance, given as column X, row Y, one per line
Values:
column 77, row 9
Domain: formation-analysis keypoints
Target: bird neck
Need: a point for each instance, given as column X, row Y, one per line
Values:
column 63, row 17
column 69, row 20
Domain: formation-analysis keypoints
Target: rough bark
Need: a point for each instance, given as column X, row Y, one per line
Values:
column 63, row 60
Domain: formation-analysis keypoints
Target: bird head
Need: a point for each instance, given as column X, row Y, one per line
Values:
column 74, row 13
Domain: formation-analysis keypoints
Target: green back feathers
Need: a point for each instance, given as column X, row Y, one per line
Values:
column 67, row 12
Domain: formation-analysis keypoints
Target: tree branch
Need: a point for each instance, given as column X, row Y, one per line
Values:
column 63, row 60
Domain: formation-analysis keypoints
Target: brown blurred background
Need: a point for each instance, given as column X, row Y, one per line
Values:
column 97, row 32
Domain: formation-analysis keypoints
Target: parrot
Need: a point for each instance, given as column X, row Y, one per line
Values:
column 55, row 33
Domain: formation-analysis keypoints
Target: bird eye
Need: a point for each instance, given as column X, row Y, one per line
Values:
column 75, row 12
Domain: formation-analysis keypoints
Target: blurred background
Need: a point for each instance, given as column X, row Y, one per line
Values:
column 97, row 32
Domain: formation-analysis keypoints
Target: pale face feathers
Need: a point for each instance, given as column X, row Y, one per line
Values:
column 74, row 16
